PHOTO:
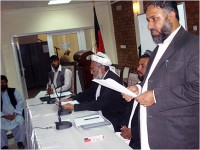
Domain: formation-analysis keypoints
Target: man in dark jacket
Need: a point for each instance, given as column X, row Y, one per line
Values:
column 169, row 93
column 132, row 132
column 100, row 98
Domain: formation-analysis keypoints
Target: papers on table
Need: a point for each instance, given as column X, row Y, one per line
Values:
column 112, row 84
column 88, row 120
column 52, row 96
column 91, row 121
column 69, row 102
column 62, row 94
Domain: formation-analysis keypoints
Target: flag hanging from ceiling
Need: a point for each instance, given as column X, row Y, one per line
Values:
column 98, row 36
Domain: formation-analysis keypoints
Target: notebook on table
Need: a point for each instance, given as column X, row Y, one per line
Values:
column 91, row 121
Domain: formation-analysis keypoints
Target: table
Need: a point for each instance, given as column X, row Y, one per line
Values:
column 40, row 115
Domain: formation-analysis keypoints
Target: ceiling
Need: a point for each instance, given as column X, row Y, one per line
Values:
column 18, row 4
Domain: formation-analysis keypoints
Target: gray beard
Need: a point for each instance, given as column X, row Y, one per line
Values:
column 164, row 33
column 100, row 75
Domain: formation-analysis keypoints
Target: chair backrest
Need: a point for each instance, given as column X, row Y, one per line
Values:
column 126, row 72
column 85, row 77
column 119, row 70
column 72, row 67
column 132, row 77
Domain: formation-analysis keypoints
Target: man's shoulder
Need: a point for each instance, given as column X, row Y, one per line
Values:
column 65, row 68
column 187, row 35
column 113, row 76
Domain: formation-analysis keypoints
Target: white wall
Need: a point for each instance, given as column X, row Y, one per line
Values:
column 42, row 20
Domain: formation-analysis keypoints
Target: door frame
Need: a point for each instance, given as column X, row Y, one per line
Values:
column 18, row 61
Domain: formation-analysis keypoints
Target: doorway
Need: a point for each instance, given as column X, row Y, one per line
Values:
column 33, row 52
column 33, row 55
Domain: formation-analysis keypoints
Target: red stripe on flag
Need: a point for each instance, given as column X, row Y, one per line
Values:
column 101, row 45
column 98, row 36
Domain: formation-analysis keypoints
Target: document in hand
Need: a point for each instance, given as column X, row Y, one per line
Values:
column 112, row 84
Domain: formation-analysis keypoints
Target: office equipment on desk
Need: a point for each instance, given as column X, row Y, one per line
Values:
column 44, row 116
column 91, row 121
column 94, row 125
column 62, row 111
column 88, row 120
column 60, row 125
column 53, row 96
column 61, row 94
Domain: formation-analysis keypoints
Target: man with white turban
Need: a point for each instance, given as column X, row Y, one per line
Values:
column 99, row 98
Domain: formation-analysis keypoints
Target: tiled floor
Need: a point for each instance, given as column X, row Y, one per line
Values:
column 12, row 144
column 11, row 141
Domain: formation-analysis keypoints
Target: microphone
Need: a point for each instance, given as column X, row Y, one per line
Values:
column 50, row 101
column 61, row 111
column 62, row 124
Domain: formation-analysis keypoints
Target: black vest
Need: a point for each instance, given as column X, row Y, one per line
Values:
column 60, row 78
column 11, row 96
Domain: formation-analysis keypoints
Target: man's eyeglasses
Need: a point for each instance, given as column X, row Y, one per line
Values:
column 93, row 69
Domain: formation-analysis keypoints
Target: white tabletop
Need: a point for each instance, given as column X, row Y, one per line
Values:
column 40, row 115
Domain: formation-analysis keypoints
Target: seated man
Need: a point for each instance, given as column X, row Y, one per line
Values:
column 59, row 77
column 12, row 106
column 132, row 132
column 100, row 98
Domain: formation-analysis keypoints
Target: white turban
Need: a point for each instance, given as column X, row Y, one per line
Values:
column 101, row 58
column 104, row 60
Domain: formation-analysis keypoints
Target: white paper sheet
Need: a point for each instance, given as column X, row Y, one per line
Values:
column 69, row 102
column 62, row 94
column 112, row 84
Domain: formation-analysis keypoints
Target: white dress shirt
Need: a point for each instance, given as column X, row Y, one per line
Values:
column 143, row 112
column 67, row 80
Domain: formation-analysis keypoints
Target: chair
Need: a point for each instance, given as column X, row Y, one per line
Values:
column 132, row 77
column 125, row 75
column 83, row 67
column 119, row 70
column 72, row 67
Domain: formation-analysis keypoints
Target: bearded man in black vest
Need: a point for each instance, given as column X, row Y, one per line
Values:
column 12, row 106
column 60, row 78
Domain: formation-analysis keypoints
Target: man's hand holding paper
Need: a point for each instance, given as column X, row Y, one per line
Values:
column 133, row 89
column 146, row 99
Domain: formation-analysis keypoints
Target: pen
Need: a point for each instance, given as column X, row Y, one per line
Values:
column 91, row 118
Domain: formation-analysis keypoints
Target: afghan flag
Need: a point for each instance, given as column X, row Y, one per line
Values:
column 98, row 37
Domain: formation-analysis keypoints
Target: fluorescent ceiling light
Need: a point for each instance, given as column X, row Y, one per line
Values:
column 53, row 2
